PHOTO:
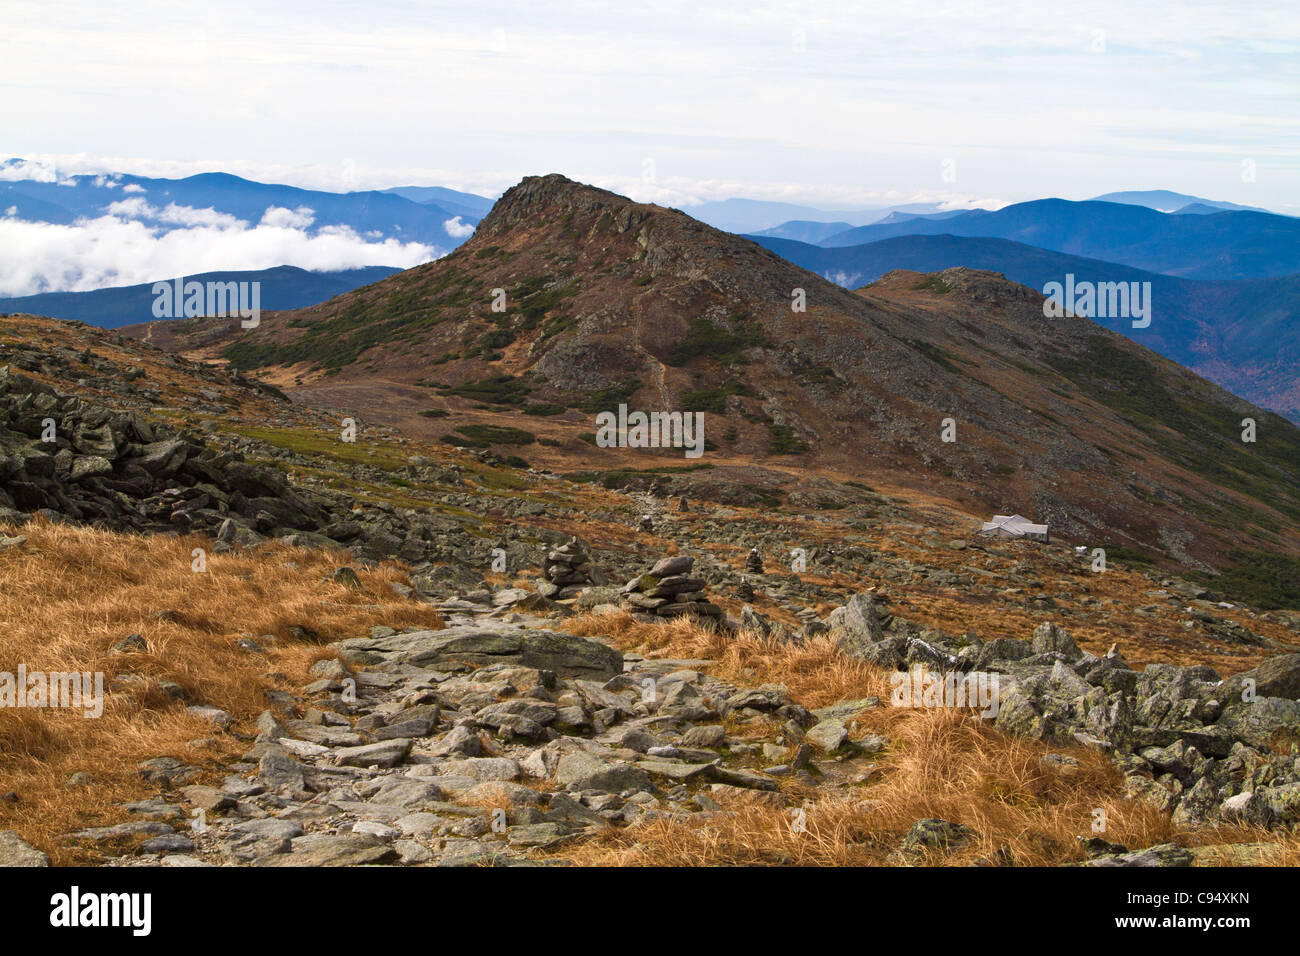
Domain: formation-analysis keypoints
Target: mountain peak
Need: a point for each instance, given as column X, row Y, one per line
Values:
column 536, row 196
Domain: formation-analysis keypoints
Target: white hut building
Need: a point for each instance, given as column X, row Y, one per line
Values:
column 1014, row 526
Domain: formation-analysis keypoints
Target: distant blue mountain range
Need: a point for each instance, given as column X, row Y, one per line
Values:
column 285, row 287
column 793, row 221
column 1220, row 245
column 755, row 215
column 371, row 213
column 1165, row 200
column 467, row 205
column 804, row 230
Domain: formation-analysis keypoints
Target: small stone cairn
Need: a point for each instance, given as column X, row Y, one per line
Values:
column 567, row 571
column 669, row 590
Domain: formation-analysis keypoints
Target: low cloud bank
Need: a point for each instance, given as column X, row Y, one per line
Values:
column 137, row 242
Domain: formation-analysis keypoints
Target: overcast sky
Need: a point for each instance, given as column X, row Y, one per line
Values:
column 831, row 103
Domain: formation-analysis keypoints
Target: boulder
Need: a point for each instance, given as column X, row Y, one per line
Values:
column 343, row 849
column 582, row 771
column 1048, row 638
column 669, row 567
column 827, row 736
column 1260, row 721
column 475, row 646
column 1166, row 854
column 1276, row 677
column 1278, row 805
column 386, row 753
column 933, row 834
column 858, row 624
column 14, row 851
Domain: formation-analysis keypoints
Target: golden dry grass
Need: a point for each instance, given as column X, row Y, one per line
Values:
column 69, row 594
column 1285, row 851
column 816, row 673
column 940, row 762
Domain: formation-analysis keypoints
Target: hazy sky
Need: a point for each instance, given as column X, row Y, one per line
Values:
column 831, row 103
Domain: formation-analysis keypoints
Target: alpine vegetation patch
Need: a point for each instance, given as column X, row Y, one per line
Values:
column 76, row 909
column 919, row 687
column 623, row 429
column 181, row 299
column 1099, row 300
column 73, row 690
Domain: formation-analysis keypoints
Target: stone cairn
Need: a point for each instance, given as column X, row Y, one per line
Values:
column 754, row 562
column 669, row 590
column 567, row 571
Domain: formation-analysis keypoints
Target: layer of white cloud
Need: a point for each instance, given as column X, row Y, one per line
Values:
column 112, row 250
column 173, row 214
column 37, row 170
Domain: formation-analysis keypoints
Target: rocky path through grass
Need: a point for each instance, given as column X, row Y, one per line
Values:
column 501, row 739
column 488, row 741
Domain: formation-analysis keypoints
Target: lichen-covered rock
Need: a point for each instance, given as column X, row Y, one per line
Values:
column 1276, row 677
column 475, row 646
column 1049, row 638
column 1166, row 854
column 932, row 834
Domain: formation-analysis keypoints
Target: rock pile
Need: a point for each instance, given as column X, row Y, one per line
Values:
column 568, row 570
column 1200, row 747
column 68, row 458
column 754, row 562
column 668, row 590
column 471, row 745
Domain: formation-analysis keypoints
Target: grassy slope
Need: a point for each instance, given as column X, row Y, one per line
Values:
column 70, row 594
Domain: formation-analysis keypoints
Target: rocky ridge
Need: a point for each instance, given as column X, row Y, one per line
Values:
column 1196, row 745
